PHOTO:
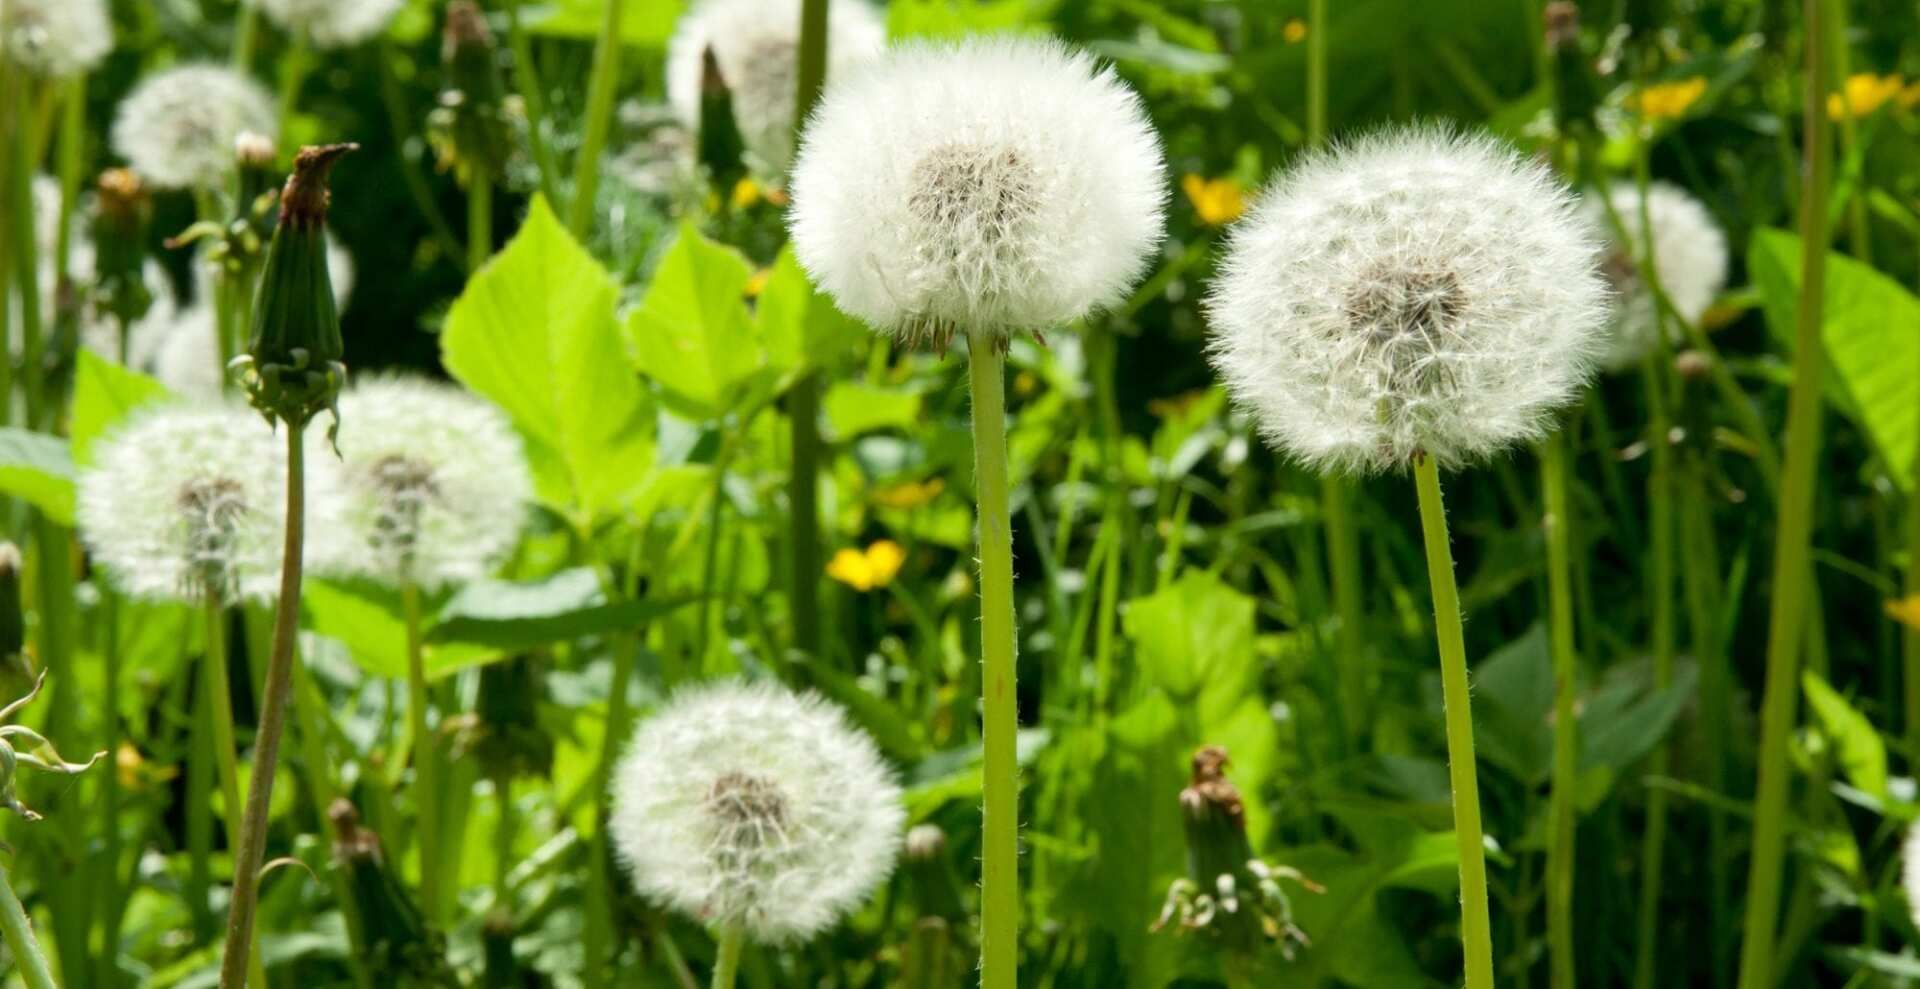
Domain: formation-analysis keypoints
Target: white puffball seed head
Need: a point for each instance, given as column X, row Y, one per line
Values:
column 177, row 129
column 1416, row 291
column 55, row 38
column 749, row 805
column 1689, row 255
column 986, row 187
column 756, row 44
column 332, row 23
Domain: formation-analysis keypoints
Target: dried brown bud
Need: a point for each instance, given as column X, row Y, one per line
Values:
column 1692, row 364
column 304, row 201
column 123, row 197
column 1563, row 24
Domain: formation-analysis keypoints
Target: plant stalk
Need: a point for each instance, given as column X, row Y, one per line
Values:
column 1476, row 926
column 726, row 962
column 18, row 929
column 1562, row 814
column 599, row 119
column 426, row 759
column 479, row 219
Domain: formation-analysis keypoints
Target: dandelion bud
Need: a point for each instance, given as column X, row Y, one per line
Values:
column 747, row 51
column 56, row 39
column 178, row 127
column 1574, row 94
column 469, row 127
column 292, row 365
column 400, row 947
column 935, row 886
column 748, row 806
column 1414, row 291
column 13, row 622
column 718, row 146
column 986, row 187
column 1692, row 365
column 22, row 746
column 504, row 735
column 123, row 211
column 1689, row 257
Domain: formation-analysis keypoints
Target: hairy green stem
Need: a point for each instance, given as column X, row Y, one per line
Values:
column 479, row 219
column 1476, row 926
column 426, row 757
column 273, row 716
column 219, row 687
column 1561, row 812
column 1786, row 627
column 21, row 943
column 599, row 119
column 803, row 504
column 726, row 962
column 1000, row 874
column 246, row 33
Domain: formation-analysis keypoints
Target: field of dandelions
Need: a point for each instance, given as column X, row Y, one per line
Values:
column 1062, row 494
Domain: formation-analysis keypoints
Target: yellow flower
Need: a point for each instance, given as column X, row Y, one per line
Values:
column 910, row 495
column 1863, row 94
column 1025, row 383
column 1668, row 100
column 1295, row 31
column 758, row 281
column 864, row 571
column 1905, row 610
column 1217, row 202
column 746, row 192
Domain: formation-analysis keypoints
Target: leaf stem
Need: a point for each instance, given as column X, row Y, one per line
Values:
column 1476, row 926
column 1000, row 877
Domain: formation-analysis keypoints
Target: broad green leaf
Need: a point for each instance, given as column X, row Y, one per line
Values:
column 1623, row 721
column 691, row 333
column 1195, row 641
column 941, row 18
column 801, row 326
column 509, row 615
column 647, row 24
column 38, row 469
column 104, row 393
column 1861, row 753
column 1871, row 329
column 1512, row 697
column 854, row 408
column 368, row 621
column 535, row 332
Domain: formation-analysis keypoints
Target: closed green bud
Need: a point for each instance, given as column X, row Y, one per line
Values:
column 292, row 368
column 123, row 210
column 721, row 148
column 1574, row 94
column 400, row 948
column 469, row 129
column 13, row 622
column 504, row 733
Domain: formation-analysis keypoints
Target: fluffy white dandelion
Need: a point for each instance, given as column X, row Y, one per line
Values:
column 55, row 38
column 746, row 805
column 1413, row 291
column 184, row 353
column 434, row 481
column 987, row 187
column 1689, row 255
column 187, row 502
column 756, row 46
column 178, row 127
column 332, row 23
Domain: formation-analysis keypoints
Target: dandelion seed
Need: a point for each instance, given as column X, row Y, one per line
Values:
column 178, row 127
column 1689, row 254
column 987, row 187
column 55, row 38
column 757, row 43
column 332, row 23
column 435, row 485
column 1413, row 291
column 751, row 807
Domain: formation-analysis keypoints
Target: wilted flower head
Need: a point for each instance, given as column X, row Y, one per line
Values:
column 187, row 503
column 746, row 804
column 1414, row 291
column 756, row 44
column 434, row 480
column 55, row 38
column 1689, row 254
column 178, row 127
column 987, row 187
column 332, row 23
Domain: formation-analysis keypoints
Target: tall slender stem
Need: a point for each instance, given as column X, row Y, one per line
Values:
column 18, row 930
column 273, row 716
column 246, row 32
column 1000, row 876
column 1476, row 925
column 294, row 64
column 1786, row 626
column 219, row 687
column 1561, row 811
column 726, row 962
column 1701, row 571
column 426, row 759
column 599, row 119
column 526, row 78
column 1317, row 72
column 107, row 972
column 803, row 401
column 479, row 219
column 23, row 251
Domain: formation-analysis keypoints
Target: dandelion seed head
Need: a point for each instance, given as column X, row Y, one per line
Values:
column 756, row 44
column 1689, row 254
column 436, row 484
column 187, row 502
column 332, row 23
column 990, row 186
column 749, row 804
column 178, row 127
column 55, row 38
column 1414, row 291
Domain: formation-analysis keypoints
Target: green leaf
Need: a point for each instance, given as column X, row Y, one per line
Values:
column 1869, row 332
column 801, row 326
column 38, row 469
column 854, row 408
column 1623, row 721
column 1195, row 638
column 509, row 615
column 647, row 24
column 104, row 394
column 691, row 333
column 944, row 18
column 1512, row 696
column 1862, row 754
column 535, row 332
column 368, row 621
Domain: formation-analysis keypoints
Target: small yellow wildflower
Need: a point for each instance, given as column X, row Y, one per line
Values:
column 758, row 282
column 909, row 495
column 746, row 192
column 1668, row 100
column 1025, row 383
column 865, row 571
column 1905, row 610
column 1177, row 405
column 1295, row 31
column 1863, row 94
column 1217, row 202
